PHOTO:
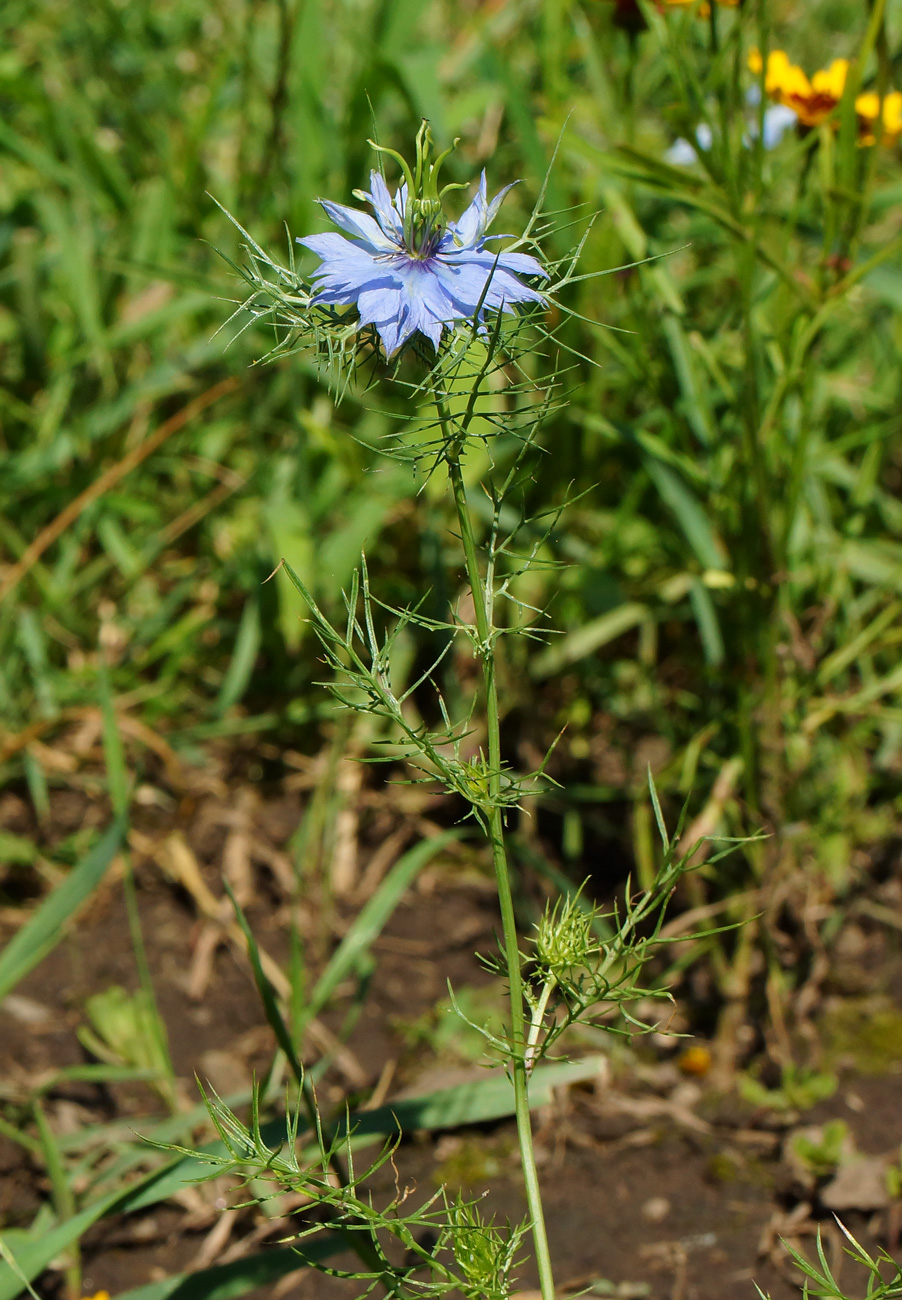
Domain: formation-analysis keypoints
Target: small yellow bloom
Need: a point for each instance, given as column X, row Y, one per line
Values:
column 831, row 81
column 785, row 82
column 867, row 106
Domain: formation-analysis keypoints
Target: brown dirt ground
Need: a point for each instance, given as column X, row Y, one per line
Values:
column 653, row 1181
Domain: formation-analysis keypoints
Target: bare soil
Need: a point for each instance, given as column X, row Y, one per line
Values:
column 656, row 1184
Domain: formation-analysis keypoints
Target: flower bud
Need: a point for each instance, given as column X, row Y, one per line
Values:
column 564, row 938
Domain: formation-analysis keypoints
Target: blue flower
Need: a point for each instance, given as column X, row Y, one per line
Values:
column 408, row 270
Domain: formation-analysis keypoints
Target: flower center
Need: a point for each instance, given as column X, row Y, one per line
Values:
column 424, row 225
column 424, row 220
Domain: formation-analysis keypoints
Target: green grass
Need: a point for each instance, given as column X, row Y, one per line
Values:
column 733, row 583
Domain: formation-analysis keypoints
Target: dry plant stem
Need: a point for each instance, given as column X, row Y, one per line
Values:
column 482, row 601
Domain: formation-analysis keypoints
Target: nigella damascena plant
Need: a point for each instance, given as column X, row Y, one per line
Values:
column 409, row 270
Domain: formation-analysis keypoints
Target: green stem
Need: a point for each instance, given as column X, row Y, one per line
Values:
column 482, row 600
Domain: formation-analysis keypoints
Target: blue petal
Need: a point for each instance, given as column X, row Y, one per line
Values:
column 359, row 225
column 332, row 247
column 400, row 199
column 342, row 280
column 522, row 264
column 379, row 303
column 505, row 289
column 384, row 308
column 394, row 333
column 475, row 220
column 429, row 304
column 471, row 272
column 470, row 226
column 402, row 295
column 386, row 213
column 496, row 202
column 338, row 256
column 464, row 285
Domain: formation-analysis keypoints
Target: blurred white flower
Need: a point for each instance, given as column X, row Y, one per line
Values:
column 682, row 154
column 778, row 119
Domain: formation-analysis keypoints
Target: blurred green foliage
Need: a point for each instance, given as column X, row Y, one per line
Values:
column 731, row 597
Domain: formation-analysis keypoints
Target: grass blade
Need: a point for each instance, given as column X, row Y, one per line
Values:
column 241, row 665
column 45, row 929
column 585, row 640
column 228, row 1280
column 690, row 516
column 267, row 992
column 372, row 918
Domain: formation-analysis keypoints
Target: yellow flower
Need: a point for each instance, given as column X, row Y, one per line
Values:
column 816, row 99
column 867, row 106
column 831, row 82
column 785, row 82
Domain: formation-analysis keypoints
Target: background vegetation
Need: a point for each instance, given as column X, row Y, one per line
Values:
column 728, row 435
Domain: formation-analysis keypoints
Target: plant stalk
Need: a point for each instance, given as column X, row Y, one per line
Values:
column 482, row 600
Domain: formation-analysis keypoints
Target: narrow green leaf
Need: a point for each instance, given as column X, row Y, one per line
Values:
column 693, row 521
column 656, row 805
column 45, row 929
column 113, row 749
column 33, row 1257
column 888, row 685
column 33, row 640
column 228, row 1280
column 61, row 1192
column 267, row 992
column 585, row 640
column 241, row 665
column 695, row 395
column 487, row 1098
column 848, row 653
column 12, row 1264
column 38, row 789
column 368, row 925
column 877, row 562
column 707, row 622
